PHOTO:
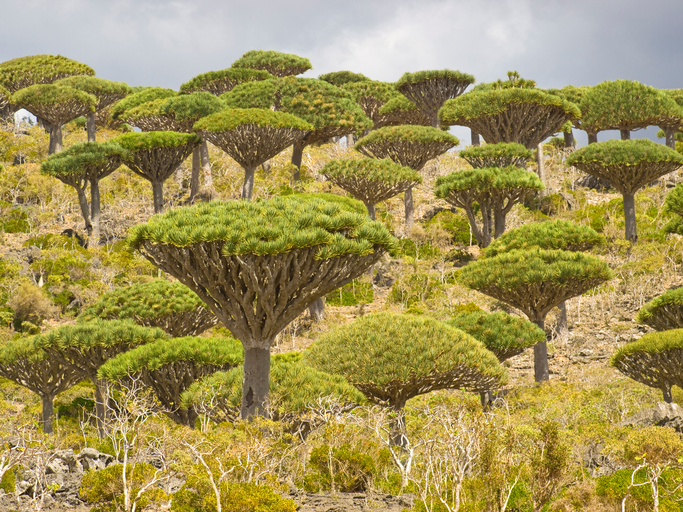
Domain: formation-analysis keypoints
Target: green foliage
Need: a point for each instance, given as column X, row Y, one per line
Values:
column 90, row 159
column 503, row 154
column 663, row 312
column 50, row 102
column 294, row 387
column 486, row 179
column 219, row 82
column 276, row 63
column 234, row 118
column 259, row 94
column 138, row 98
column 552, row 235
column 104, row 488
column 145, row 141
column 623, row 152
column 626, row 104
column 196, row 495
column 105, row 91
column 381, row 91
column 22, row 72
column 504, row 335
column 155, row 299
column 350, row 469
column 30, row 304
column 191, row 107
column 352, row 294
column 570, row 93
column 408, row 133
column 392, row 358
column 455, row 223
column 674, row 204
column 488, row 103
column 340, row 78
column 13, row 219
column 398, row 104
column 8, row 483
column 441, row 74
column 412, row 289
column 274, row 226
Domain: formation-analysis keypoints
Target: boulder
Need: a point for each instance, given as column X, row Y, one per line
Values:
column 661, row 415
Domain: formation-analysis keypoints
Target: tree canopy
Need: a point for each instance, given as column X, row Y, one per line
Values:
column 673, row 204
column 23, row 72
column 400, row 110
column 276, row 63
column 340, row 78
column 220, row 82
column 371, row 180
column 655, row 360
column 106, row 91
column 371, row 95
column 503, row 154
column 172, row 307
column 173, row 113
column 137, row 98
column 258, row 265
column 663, row 312
column 392, row 358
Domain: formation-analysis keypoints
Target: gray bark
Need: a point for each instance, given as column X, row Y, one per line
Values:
column 48, row 411
column 101, row 404
column 158, row 193
column 248, row 186
column 91, row 127
column 562, row 327
column 196, row 168
column 95, row 213
column 206, row 165
column 410, row 211
column 569, row 141
column 85, row 209
column 666, row 393
column 592, row 138
column 317, row 310
column 540, row 161
column 255, row 382
column 371, row 210
column 297, row 157
column 541, row 370
column 625, row 134
column 55, row 139
column 476, row 140
column 630, row 217
column 670, row 133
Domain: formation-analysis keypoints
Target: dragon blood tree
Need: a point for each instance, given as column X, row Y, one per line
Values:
column 574, row 95
column 106, row 92
column 155, row 156
column 341, row 78
column 87, row 346
column 626, row 105
column 527, row 116
column 169, row 367
column 294, row 389
column 138, row 97
column 220, row 82
column 56, row 105
column 83, row 163
column 664, row 312
column 429, row 90
column 22, row 362
column 392, row 358
column 371, row 180
column 628, row 165
column 172, row 307
column 495, row 190
column 399, row 110
column 407, row 145
column 535, row 281
column 504, row 335
column 276, row 63
column 251, row 136
column 673, row 204
column 329, row 110
column 258, row 265
column 655, row 360
column 372, row 95
column 497, row 155
column 4, row 100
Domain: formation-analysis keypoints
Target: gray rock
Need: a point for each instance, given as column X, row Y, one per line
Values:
column 661, row 415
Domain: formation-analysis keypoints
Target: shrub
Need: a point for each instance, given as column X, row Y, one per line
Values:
column 31, row 305
column 340, row 469
column 352, row 294
column 196, row 495
column 104, row 489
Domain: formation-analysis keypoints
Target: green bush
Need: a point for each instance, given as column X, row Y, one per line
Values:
column 196, row 495
column 351, row 294
column 14, row 219
column 104, row 488
column 455, row 224
column 8, row 482
column 340, row 469
column 411, row 289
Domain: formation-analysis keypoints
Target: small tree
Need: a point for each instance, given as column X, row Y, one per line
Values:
column 276, row 63
column 155, row 156
column 87, row 346
column 535, row 281
column 410, row 146
column 329, row 110
column 172, row 307
column 429, row 90
column 673, row 204
column 523, row 115
column 84, row 163
column 259, row 265
column 106, row 92
column 169, row 367
column 341, row 78
column 495, row 190
column 664, row 312
column 220, row 82
column 251, row 137
column 628, row 165
column 372, row 96
column 392, row 358
column 56, row 105
column 399, row 110
column 138, row 97
column 21, row 361
column 371, row 180
column 497, row 155
column 655, row 360
column 24, row 72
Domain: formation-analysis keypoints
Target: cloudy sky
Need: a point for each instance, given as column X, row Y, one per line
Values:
column 165, row 43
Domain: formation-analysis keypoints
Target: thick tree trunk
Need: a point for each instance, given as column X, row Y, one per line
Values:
column 486, row 226
column 410, row 211
column 625, row 134
column 350, row 140
column 196, row 169
column 297, row 157
column 666, row 393
column 562, row 324
column 255, row 382
column 55, row 139
column 206, row 165
column 630, row 217
column 569, row 140
column 85, row 209
column 317, row 310
column 498, row 223
column 398, row 425
column 592, row 138
column 371, row 210
column 158, row 194
column 95, row 213
column 540, row 162
column 541, row 370
column 476, row 140
column 48, row 411
column 101, row 404
column 90, row 127
column 670, row 133
column 248, row 186
column 478, row 235
column 436, row 123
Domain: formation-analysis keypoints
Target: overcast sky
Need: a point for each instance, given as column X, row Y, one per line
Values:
column 165, row 43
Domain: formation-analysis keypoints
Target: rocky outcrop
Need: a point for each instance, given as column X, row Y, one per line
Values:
column 661, row 415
